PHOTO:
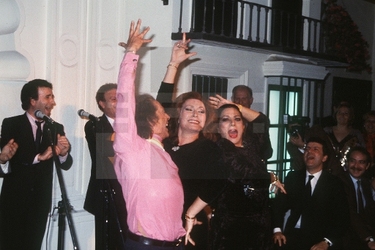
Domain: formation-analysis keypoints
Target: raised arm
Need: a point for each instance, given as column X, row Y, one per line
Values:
column 124, row 126
column 136, row 38
column 179, row 55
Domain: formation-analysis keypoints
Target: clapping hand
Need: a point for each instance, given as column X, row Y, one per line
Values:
column 8, row 151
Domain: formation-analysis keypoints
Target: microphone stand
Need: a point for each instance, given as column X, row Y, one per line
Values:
column 64, row 207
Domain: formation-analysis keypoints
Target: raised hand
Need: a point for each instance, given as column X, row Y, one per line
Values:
column 136, row 38
column 179, row 51
column 217, row 101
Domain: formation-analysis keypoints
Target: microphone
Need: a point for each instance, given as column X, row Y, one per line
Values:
column 39, row 114
column 87, row 115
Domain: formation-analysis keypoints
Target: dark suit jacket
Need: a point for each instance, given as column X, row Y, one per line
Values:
column 103, row 176
column 362, row 225
column 326, row 213
column 258, row 131
column 27, row 190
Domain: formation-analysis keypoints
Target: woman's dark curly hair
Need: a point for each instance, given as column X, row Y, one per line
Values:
column 145, row 115
column 215, row 127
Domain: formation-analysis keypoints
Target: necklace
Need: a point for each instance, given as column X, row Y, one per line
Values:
column 175, row 148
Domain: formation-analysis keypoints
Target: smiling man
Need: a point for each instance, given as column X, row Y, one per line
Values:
column 26, row 193
column 319, row 213
column 361, row 202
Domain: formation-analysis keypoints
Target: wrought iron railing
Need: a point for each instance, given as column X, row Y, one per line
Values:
column 250, row 24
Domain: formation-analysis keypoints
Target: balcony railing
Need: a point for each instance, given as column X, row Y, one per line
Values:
column 247, row 24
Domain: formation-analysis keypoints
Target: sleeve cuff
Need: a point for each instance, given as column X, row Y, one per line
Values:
column 5, row 167
column 63, row 158
column 328, row 241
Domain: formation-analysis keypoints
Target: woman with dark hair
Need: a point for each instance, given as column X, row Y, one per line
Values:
column 343, row 136
column 241, row 218
column 149, row 178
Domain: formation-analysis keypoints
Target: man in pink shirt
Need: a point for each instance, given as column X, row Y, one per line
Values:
column 149, row 178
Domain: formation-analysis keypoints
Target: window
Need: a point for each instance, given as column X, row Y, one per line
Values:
column 210, row 85
column 291, row 96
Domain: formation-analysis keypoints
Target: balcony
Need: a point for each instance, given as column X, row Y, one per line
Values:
column 254, row 27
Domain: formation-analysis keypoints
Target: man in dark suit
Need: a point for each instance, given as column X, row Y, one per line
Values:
column 361, row 203
column 319, row 213
column 26, row 193
column 104, row 197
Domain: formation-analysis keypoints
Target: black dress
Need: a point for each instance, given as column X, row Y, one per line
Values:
column 202, row 175
column 242, row 217
column 200, row 169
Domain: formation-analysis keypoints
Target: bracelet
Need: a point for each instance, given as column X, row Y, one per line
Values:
column 173, row 65
column 370, row 239
column 132, row 51
column 187, row 217
column 239, row 107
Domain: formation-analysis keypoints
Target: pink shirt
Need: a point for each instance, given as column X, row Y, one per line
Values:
column 149, row 178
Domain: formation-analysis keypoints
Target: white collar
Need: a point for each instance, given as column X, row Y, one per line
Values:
column 156, row 142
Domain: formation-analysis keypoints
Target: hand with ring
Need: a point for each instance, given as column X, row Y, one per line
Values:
column 179, row 51
column 217, row 101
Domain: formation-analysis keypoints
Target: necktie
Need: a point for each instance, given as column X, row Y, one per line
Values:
column 306, row 201
column 360, row 206
column 308, row 186
column 38, row 136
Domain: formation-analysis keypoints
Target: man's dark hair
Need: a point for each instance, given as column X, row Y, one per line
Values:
column 320, row 141
column 243, row 87
column 30, row 91
column 101, row 91
column 145, row 115
column 361, row 150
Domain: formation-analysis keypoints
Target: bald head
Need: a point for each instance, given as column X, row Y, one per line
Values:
column 242, row 94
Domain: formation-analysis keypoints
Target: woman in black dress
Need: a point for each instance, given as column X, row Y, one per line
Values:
column 195, row 156
column 241, row 218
